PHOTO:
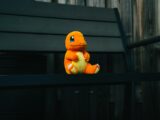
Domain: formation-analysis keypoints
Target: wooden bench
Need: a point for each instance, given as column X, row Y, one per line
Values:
column 40, row 28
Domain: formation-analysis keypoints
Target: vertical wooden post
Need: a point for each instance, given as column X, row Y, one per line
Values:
column 50, row 63
column 146, row 21
column 51, row 99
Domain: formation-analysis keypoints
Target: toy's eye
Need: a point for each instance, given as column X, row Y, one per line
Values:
column 72, row 39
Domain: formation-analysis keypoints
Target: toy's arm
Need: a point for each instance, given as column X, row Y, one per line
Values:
column 86, row 56
column 71, row 56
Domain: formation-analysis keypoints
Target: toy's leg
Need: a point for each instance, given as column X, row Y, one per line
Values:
column 92, row 69
column 70, row 68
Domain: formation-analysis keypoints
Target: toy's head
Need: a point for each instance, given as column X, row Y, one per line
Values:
column 75, row 41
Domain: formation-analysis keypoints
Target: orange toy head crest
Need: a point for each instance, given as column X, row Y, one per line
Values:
column 75, row 41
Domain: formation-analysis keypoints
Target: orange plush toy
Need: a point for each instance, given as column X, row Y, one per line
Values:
column 77, row 58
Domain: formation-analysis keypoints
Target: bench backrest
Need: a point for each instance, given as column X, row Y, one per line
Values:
column 34, row 26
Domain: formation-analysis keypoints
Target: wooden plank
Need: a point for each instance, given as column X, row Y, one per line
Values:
column 25, row 7
column 56, row 26
column 105, row 44
column 74, row 80
column 31, row 42
column 54, row 43
column 145, row 42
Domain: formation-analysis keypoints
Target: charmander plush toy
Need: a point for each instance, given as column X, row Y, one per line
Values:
column 76, row 57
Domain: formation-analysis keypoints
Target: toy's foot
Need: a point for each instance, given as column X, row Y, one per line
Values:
column 72, row 69
column 97, row 68
column 92, row 69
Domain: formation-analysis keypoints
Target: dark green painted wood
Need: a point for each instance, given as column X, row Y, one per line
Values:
column 29, row 63
column 62, row 80
column 54, row 43
column 22, row 104
column 76, row 99
column 56, row 26
column 42, row 27
column 31, row 32
column 29, row 8
column 50, row 103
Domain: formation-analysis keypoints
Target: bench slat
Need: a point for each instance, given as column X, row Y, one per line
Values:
column 56, row 26
column 26, row 7
column 75, row 80
column 52, row 43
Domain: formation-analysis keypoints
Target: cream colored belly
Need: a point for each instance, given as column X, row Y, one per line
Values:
column 81, row 63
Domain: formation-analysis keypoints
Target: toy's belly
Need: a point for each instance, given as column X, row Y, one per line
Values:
column 81, row 63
